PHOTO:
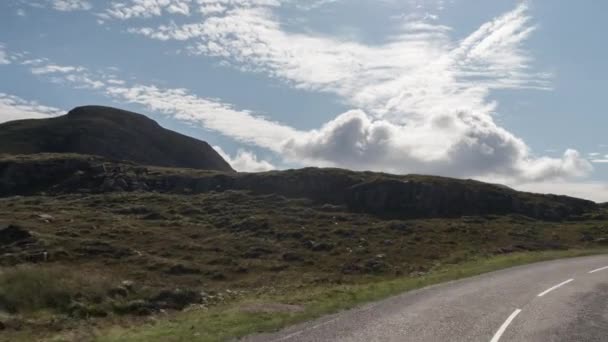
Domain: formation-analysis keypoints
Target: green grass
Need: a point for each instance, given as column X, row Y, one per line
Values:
column 266, row 248
column 50, row 289
column 26, row 289
column 223, row 323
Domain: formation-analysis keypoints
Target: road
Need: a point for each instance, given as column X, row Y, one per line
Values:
column 563, row 300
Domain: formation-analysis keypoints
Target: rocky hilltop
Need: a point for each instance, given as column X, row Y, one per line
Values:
column 410, row 196
column 111, row 133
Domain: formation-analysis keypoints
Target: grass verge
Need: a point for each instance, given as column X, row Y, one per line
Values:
column 227, row 322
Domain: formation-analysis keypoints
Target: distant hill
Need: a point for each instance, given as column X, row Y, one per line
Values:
column 111, row 133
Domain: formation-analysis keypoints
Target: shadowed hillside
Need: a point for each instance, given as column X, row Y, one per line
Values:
column 111, row 133
column 411, row 196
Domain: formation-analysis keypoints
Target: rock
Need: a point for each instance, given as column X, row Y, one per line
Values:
column 121, row 184
column 601, row 241
column 376, row 265
column 103, row 249
column 118, row 292
column 36, row 257
column 135, row 307
column 177, row 299
column 128, row 284
column 256, row 252
column 155, row 216
column 318, row 246
column 180, row 269
column 80, row 310
column 46, row 217
column 290, row 257
column 350, row 268
column 12, row 234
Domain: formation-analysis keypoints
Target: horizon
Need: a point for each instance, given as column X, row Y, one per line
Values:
column 476, row 90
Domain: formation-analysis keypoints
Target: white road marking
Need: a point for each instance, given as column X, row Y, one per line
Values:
column 504, row 326
column 599, row 269
column 555, row 287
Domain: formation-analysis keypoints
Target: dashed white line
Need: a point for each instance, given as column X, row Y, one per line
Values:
column 555, row 287
column 504, row 326
column 599, row 269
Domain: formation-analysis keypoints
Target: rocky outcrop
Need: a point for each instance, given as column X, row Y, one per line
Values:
column 13, row 234
column 411, row 198
column 375, row 193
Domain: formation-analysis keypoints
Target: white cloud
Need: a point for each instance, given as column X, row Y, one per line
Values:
column 423, row 96
column 4, row 59
column 53, row 68
column 71, row 5
column 212, row 114
column 245, row 161
column 58, row 5
column 124, row 10
column 128, row 9
column 15, row 108
column 78, row 76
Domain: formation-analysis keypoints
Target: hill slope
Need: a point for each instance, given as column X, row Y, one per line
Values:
column 93, row 242
column 385, row 195
column 111, row 133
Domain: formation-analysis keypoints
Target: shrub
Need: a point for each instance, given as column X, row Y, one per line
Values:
column 31, row 289
column 26, row 289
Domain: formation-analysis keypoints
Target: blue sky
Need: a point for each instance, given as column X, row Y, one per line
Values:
column 502, row 91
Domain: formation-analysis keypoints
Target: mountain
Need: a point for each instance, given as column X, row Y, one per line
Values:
column 111, row 133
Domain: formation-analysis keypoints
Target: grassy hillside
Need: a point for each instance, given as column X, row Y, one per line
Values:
column 237, row 252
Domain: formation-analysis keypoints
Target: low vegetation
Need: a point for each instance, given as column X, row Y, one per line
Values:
column 182, row 258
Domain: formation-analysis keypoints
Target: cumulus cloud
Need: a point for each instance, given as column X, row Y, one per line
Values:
column 15, row 108
column 245, row 161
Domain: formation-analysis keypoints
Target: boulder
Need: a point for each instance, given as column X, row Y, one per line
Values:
column 11, row 234
column 177, row 299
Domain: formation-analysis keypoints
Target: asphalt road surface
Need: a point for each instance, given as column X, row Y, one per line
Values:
column 563, row 300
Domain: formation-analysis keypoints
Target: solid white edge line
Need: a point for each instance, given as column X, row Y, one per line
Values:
column 555, row 287
column 294, row 334
column 599, row 269
column 504, row 326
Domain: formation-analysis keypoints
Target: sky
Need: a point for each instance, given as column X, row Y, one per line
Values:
column 509, row 92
